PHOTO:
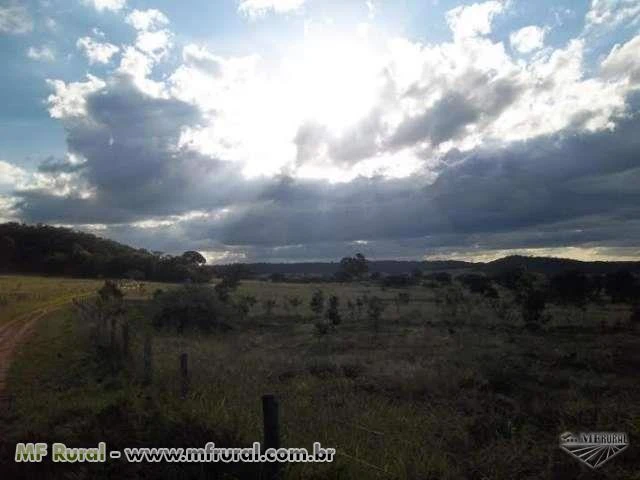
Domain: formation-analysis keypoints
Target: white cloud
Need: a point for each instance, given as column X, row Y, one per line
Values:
column 609, row 14
column 372, row 9
column 153, row 40
column 7, row 209
column 51, row 24
column 41, row 54
column 139, row 66
column 336, row 106
column 475, row 19
column 623, row 63
column 11, row 175
column 155, row 44
column 15, row 19
column 528, row 39
column 69, row 99
column 258, row 8
column 96, row 52
column 370, row 105
column 144, row 20
column 112, row 5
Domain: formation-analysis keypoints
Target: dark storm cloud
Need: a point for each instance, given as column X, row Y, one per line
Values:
column 133, row 164
column 517, row 195
column 485, row 99
column 570, row 188
column 358, row 142
column 443, row 121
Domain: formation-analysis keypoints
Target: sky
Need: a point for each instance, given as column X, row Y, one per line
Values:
column 307, row 130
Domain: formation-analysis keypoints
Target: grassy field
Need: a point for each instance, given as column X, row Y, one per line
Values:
column 20, row 294
column 440, row 391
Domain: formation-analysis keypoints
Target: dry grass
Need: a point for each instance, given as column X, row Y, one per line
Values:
column 435, row 394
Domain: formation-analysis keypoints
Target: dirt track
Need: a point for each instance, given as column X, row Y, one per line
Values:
column 13, row 334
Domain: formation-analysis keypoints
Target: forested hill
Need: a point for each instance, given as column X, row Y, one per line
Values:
column 391, row 267
column 51, row 250
column 44, row 249
column 545, row 265
column 552, row 266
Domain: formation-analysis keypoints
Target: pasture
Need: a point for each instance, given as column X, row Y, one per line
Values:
column 20, row 294
column 448, row 384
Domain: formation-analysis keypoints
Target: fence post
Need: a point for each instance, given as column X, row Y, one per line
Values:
column 125, row 340
column 148, row 360
column 104, row 330
column 184, row 375
column 114, row 323
column 271, row 416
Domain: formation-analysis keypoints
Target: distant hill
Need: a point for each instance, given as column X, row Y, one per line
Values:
column 390, row 267
column 552, row 266
column 43, row 249
column 545, row 265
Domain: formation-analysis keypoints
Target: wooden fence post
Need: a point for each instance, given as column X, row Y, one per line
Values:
column 114, row 323
column 271, row 416
column 104, row 330
column 125, row 340
column 148, row 361
column 184, row 375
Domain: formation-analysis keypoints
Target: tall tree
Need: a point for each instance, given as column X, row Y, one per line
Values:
column 354, row 267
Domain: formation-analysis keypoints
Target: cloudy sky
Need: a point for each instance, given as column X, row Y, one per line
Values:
column 286, row 130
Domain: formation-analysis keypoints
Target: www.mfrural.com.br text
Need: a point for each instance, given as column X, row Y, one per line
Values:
column 61, row 453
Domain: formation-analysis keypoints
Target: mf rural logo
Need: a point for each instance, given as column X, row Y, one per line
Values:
column 594, row 449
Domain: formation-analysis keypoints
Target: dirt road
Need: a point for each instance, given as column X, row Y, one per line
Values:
column 13, row 334
column 16, row 331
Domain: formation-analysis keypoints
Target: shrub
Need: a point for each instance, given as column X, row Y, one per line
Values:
column 110, row 298
column 317, row 302
column 476, row 283
column 268, row 306
column 439, row 277
column 621, row 286
column 295, row 303
column 110, row 292
column 333, row 312
column 533, row 304
column 360, row 303
column 375, row 307
column 399, row 281
column 245, row 304
column 230, row 281
column 351, row 306
column 190, row 306
column 572, row 287
column 403, row 298
column 322, row 327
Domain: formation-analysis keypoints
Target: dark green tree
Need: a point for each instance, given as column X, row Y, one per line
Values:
column 194, row 258
column 317, row 302
column 354, row 267
column 333, row 310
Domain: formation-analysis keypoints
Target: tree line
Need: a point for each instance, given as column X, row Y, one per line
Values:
column 49, row 250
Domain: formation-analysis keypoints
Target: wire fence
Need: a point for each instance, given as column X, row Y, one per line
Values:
column 130, row 349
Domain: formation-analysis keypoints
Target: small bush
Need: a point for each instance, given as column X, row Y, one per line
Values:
column 322, row 327
column 110, row 291
column 295, row 303
column 317, row 302
column 533, row 304
column 190, row 306
column 375, row 307
column 333, row 312
column 268, row 306
column 245, row 304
